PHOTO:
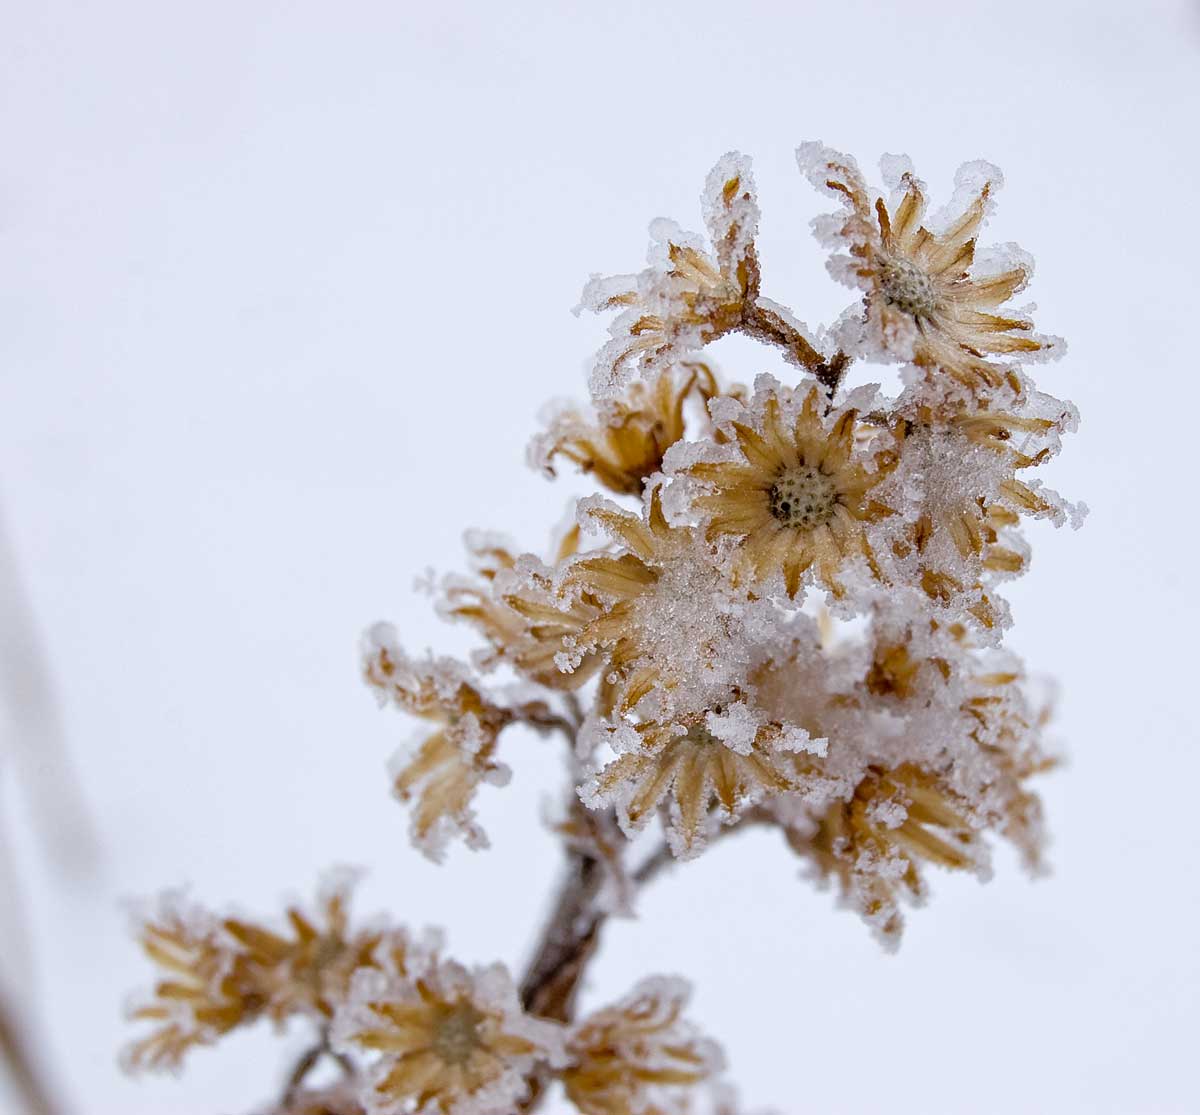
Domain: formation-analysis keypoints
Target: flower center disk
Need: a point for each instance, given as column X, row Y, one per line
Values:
column 907, row 287
column 456, row 1033
column 802, row 497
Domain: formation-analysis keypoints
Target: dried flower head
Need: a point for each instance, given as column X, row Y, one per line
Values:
column 695, row 767
column 624, row 440
column 221, row 973
column 797, row 496
column 448, row 1040
column 874, row 843
column 446, row 768
column 689, row 295
column 640, row 1056
column 928, row 298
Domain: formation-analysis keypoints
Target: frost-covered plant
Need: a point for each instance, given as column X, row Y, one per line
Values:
column 792, row 621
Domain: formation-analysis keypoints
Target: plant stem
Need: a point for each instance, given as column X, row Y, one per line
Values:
column 15, row 1054
column 768, row 325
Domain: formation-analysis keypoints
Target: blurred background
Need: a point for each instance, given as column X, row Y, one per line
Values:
column 282, row 288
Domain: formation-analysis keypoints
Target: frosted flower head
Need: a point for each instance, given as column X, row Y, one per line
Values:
column 441, row 773
column 640, row 1056
column 451, row 1041
column 513, row 603
column 692, row 764
column 874, row 844
column 671, row 627
column 689, row 294
column 624, row 440
column 928, row 299
column 222, row 973
column 797, row 496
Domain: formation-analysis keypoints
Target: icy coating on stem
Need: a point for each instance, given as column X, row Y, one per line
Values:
column 782, row 607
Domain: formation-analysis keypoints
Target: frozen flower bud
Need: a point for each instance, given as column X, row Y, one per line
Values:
column 453, row 1041
column 640, row 1055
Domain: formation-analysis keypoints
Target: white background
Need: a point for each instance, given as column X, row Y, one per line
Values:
column 282, row 286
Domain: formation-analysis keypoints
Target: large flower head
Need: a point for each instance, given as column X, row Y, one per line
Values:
column 928, row 298
column 447, row 1040
column 640, row 1056
column 798, row 494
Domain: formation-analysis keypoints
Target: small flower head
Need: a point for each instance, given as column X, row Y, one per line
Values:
column 514, row 605
column 874, row 843
column 624, row 441
column 640, row 1056
column 798, row 496
column 928, row 300
column 221, row 973
column 689, row 294
column 693, row 766
column 443, row 772
column 448, row 1040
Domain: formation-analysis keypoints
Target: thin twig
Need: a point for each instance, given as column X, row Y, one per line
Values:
column 307, row 1062
column 765, row 324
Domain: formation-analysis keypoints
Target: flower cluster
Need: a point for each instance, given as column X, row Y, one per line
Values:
column 410, row 1029
column 783, row 609
column 793, row 613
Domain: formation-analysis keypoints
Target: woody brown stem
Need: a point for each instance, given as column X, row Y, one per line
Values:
column 767, row 325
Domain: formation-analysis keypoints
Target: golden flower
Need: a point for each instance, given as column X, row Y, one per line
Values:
column 695, row 767
column 924, row 294
column 447, row 767
column 624, row 443
column 874, row 843
column 639, row 1055
column 446, row 1039
column 688, row 295
column 798, row 497
column 222, row 973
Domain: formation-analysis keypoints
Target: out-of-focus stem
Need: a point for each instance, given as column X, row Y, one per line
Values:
column 17, row 1059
